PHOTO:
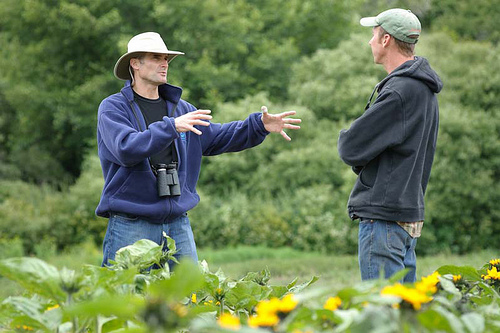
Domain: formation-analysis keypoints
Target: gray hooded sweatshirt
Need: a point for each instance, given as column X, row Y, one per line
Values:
column 391, row 146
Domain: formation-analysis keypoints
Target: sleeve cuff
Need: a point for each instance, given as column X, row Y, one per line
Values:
column 171, row 121
column 260, row 125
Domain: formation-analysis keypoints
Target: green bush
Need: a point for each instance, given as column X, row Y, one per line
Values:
column 45, row 219
column 336, row 84
column 279, row 193
column 12, row 247
column 463, row 194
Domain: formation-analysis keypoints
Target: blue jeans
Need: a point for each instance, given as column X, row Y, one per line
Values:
column 385, row 245
column 124, row 230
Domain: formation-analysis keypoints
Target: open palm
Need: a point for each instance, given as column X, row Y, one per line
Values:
column 279, row 122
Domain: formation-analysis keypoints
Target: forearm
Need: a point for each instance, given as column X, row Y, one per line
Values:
column 234, row 136
column 130, row 146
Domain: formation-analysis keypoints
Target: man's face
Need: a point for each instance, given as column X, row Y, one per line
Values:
column 378, row 50
column 152, row 68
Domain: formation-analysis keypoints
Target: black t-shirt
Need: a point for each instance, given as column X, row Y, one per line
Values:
column 154, row 110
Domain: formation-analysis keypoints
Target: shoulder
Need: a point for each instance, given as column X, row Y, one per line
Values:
column 404, row 85
column 113, row 102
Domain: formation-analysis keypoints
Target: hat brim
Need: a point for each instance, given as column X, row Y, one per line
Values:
column 121, row 67
column 369, row 21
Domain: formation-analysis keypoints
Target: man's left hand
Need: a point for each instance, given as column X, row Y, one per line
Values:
column 278, row 122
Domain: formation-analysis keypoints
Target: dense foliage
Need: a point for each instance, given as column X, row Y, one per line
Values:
column 127, row 297
column 310, row 56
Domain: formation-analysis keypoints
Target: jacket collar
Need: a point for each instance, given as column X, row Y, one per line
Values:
column 167, row 91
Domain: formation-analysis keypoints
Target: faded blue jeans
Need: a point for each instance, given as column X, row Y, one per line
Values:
column 384, row 245
column 124, row 230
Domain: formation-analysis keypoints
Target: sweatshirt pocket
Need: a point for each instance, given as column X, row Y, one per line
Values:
column 360, row 194
column 138, row 188
column 362, row 181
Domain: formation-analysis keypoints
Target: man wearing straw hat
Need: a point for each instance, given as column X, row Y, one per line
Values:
column 150, row 143
column 391, row 148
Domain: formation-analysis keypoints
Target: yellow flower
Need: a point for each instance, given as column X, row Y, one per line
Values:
column 493, row 273
column 265, row 319
column 229, row 321
column 457, row 278
column 395, row 290
column 267, row 311
column 410, row 295
column 288, row 303
column 193, row 298
column 268, row 306
column 332, row 303
column 428, row 283
column 494, row 262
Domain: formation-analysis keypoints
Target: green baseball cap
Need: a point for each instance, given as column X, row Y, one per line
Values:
column 400, row 23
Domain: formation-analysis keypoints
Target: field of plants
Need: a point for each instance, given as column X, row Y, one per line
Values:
column 130, row 296
column 273, row 217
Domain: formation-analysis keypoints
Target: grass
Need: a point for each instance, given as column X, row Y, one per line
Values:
column 285, row 264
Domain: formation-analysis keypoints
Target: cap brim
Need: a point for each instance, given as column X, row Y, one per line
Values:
column 369, row 21
column 121, row 67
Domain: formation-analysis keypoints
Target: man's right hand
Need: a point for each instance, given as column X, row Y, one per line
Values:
column 187, row 121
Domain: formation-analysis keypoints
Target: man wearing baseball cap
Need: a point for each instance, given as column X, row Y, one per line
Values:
column 391, row 148
column 150, row 144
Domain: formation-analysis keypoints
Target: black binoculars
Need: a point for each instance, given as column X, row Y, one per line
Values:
column 167, row 180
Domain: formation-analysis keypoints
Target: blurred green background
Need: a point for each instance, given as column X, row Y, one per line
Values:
column 56, row 62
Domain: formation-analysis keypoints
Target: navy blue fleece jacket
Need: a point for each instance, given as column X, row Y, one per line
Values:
column 125, row 143
column 391, row 146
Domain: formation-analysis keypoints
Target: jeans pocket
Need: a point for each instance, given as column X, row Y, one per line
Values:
column 396, row 237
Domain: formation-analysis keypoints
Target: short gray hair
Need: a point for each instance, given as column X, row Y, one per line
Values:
column 140, row 56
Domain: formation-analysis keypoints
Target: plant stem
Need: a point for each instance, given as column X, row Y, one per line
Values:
column 73, row 318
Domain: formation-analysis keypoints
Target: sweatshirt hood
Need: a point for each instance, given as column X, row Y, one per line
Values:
column 418, row 69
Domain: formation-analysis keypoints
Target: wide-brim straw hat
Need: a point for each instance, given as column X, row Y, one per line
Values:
column 145, row 42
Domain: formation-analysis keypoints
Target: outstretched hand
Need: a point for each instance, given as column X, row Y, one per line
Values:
column 278, row 122
column 186, row 122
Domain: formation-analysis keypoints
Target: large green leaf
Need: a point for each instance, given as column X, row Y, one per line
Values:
column 106, row 279
column 376, row 319
column 33, row 314
column 467, row 272
column 439, row 319
column 302, row 286
column 185, row 280
column 449, row 287
column 474, row 322
column 141, row 254
column 246, row 294
column 35, row 275
column 345, row 318
column 261, row 277
column 121, row 306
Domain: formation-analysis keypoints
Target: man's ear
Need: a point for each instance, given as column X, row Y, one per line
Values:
column 386, row 40
column 134, row 63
